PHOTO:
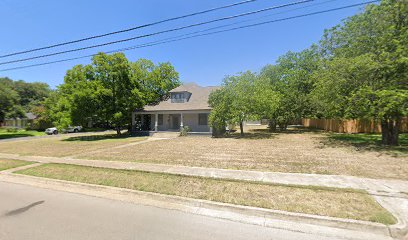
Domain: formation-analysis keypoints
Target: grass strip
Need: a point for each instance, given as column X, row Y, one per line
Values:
column 342, row 203
column 8, row 163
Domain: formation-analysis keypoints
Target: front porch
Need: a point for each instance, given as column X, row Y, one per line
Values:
column 171, row 121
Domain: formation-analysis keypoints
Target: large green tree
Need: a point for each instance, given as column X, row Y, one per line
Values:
column 289, row 84
column 109, row 89
column 266, row 101
column 220, row 101
column 367, row 57
column 233, row 103
column 20, row 97
column 9, row 103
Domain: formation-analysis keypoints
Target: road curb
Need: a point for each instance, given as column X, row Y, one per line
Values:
column 397, row 209
column 252, row 215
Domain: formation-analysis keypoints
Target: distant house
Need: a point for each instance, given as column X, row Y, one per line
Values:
column 187, row 105
column 20, row 122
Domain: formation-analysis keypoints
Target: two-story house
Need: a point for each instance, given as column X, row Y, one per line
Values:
column 186, row 106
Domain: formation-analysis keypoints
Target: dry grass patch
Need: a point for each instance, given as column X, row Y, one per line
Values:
column 8, row 163
column 297, row 152
column 343, row 203
column 66, row 145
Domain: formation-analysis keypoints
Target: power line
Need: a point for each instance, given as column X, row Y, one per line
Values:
column 160, row 32
column 197, row 35
column 253, row 19
column 129, row 29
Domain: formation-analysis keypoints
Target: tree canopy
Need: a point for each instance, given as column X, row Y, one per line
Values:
column 365, row 69
column 234, row 101
column 279, row 93
column 109, row 89
column 359, row 69
column 20, row 97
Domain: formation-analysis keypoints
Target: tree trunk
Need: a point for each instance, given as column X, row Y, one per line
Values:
column 118, row 130
column 131, row 129
column 241, row 127
column 272, row 125
column 218, row 130
column 283, row 126
column 390, row 131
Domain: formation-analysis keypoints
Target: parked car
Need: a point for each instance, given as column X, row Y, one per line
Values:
column 70, row 129
column 73, row 129
column 51, row 131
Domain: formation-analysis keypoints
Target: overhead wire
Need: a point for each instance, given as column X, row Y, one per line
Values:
column 193, row 35
column 129, row 29
column 158, row 33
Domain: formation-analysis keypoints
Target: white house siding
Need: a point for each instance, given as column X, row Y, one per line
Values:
column 191, row 120
column 167, row 123
column 16, row 123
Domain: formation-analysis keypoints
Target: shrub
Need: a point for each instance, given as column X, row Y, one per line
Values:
column 13, row 130
column 185, row 130
column 218, row 130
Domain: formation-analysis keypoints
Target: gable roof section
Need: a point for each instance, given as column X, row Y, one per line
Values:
column 197, row 101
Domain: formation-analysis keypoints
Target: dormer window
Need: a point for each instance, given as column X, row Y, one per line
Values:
column 179, row 97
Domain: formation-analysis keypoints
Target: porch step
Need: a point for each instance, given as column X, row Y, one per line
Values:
column 164, row 134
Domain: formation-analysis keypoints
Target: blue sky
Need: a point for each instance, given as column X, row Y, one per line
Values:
column 205, row 60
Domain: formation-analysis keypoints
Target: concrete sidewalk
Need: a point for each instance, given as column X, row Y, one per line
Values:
column 395, row 188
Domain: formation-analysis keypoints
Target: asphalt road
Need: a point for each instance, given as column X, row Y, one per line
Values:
column 35, row 213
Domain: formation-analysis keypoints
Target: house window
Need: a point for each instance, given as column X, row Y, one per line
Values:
column 177, row 98
column 160, row 119
column 202, row 119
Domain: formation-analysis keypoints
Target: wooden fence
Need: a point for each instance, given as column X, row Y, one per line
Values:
column 349, row 126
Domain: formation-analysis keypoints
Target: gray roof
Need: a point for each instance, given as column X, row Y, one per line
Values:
column 197, row 101
column 30, row 116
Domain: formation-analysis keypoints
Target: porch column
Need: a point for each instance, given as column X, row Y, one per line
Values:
column 156, row 122
column 181, row 121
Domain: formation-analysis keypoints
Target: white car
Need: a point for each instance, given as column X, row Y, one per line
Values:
column 74, row 129
column 51, row 131
column 54, row 130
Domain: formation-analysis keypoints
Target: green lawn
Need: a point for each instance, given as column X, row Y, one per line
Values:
column 343, row 203
column 5, row 133
column 8, row 163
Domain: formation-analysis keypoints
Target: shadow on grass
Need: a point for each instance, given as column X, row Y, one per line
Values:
column 251, row 135
column 97, row 137
column 366, row 142
column 15, row 135
column 94, row 129
column 266, row 134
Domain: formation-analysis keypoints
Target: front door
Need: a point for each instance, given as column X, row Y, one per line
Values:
column 176, row 122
